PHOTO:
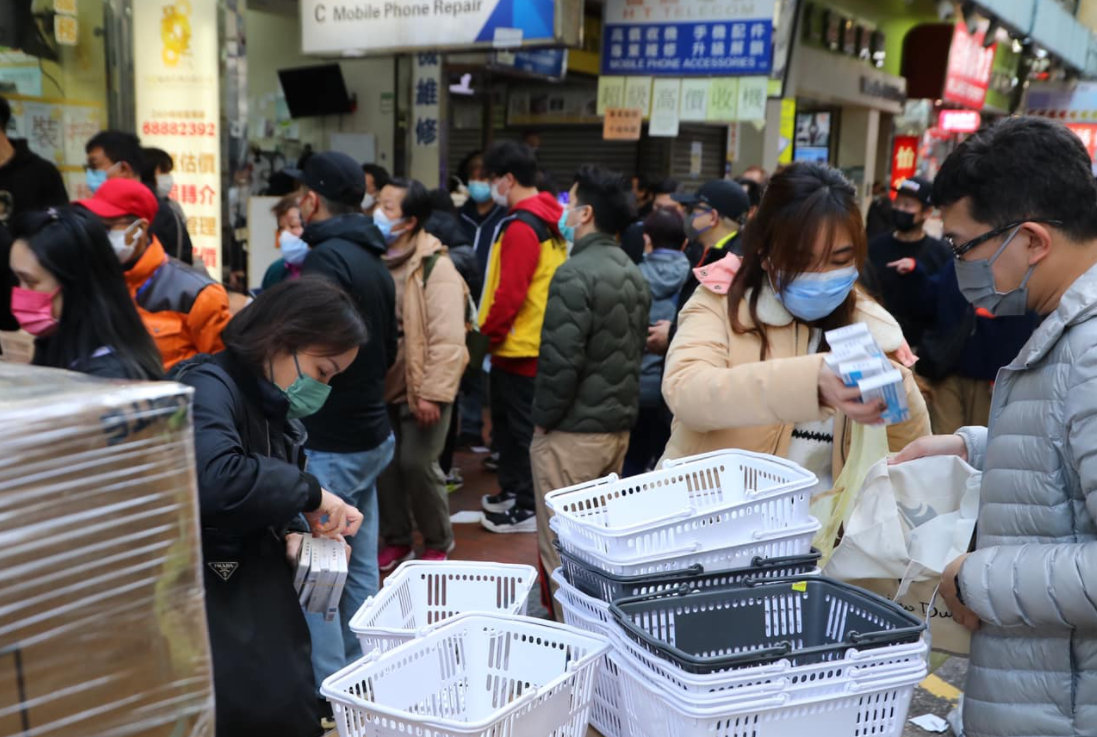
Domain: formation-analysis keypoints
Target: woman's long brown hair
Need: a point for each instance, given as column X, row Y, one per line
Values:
column 800, row 202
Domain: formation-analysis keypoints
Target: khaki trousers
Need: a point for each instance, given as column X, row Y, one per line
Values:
column 958, row 402
column 562, row 459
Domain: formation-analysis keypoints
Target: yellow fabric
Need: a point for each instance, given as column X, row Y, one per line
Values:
column 868, row 444
column 723, row 396
column 524, row 340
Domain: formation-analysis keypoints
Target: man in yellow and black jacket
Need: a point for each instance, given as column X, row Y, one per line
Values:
column 526, row 253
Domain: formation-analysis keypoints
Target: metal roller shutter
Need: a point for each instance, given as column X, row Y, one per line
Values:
column 713, row 153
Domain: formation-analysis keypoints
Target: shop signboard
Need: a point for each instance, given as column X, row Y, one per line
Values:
column 385, row 27
column 969, row 66
column 1077, row 102
column 175, row 61
column 1087, row 132
column 904, row 160
column 959, row 121
column 688, row 37
column 546, row 63
column 622, row 124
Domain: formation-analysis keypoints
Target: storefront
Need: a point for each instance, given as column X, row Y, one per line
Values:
column 57, row 82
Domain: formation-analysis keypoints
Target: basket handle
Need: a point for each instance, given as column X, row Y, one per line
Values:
column 786, row 560
column 885, row 636
column 811, row 526
column 884, row 683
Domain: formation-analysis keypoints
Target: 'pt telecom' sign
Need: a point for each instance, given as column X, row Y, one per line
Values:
column 383, row 27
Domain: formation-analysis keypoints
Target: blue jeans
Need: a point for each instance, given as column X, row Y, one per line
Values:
column 353, row 476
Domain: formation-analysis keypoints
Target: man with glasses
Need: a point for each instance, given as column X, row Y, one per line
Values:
column 715, row 215
column 1019, row 204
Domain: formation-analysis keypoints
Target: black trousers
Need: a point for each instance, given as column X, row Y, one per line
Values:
column 648, row 440
column 512, row 429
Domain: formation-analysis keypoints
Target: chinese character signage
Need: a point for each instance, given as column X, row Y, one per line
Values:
column 1087, row 132
column 969, row 66
column 904, row 160
column 958, row 121
column 688, row 37
column 622, row 124
column 406, row 25
column 425, row 108
column 176, row 56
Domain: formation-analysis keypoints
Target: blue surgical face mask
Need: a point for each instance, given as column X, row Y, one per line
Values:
column 381, row 220
column 95, row 178
column 813, row 296
column 480, row 192
column 566, row 230
column 294, row 249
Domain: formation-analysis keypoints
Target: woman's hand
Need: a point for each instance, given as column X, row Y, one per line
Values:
column 426, row 412
column 334, row 516
column 847, row 400
column 931, row 445
column 293, row 546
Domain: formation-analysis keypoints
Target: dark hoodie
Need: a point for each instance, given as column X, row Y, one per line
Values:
column 481, row 229
column 29, row 182
column 445, row 227
column 347, row 249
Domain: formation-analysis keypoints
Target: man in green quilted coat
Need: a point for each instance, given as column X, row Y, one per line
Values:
column 588, row 379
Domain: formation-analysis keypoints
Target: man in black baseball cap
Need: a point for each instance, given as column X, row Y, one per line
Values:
column 350, row 440
column 333, row 176
column 715, row 213
column 892, row 255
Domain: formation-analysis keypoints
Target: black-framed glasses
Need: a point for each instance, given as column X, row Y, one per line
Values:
column 959, row 250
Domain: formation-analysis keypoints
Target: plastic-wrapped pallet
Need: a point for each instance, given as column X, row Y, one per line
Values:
column 102, row 625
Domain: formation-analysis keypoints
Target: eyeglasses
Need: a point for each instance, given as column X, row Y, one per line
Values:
column 959, row 250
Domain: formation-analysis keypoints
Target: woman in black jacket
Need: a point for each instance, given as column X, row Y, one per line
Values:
column 280, row 353
column 73, row 298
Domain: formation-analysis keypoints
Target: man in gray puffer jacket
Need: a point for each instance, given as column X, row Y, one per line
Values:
column 1020, row 211
column 588, row 374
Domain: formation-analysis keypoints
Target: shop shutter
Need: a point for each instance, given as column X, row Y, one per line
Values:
column 713, row 152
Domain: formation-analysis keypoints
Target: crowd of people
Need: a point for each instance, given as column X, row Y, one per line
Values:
column 641, row 321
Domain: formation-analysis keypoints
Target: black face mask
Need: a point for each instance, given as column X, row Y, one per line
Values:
column 903, row 221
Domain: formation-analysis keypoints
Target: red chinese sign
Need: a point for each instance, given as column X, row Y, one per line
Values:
column 1088, row 133
column 959, row 121
column 904, row 160
column 969, row 66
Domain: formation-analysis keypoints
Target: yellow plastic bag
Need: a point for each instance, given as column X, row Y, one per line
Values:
column 868, row 444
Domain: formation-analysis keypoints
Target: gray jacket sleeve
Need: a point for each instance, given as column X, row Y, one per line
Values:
column 1047, row 584
column 975, row 439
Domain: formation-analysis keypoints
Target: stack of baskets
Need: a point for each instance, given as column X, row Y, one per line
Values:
column 703, row 578
column 447, row 654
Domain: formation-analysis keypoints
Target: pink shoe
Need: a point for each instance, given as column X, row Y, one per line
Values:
column 392, row 556
column 434, row 556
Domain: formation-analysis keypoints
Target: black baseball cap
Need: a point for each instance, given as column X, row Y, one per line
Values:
column 333, row 175
column 724, row 196
column 919, row 188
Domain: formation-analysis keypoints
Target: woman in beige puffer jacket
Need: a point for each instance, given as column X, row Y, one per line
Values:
column 746, row 371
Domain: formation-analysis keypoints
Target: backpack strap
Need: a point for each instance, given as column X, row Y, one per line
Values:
column 428, row 265
column 539, row 226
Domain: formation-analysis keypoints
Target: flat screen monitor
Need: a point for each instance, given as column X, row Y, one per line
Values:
column 315, row 90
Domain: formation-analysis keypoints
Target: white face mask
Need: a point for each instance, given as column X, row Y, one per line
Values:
column 164, row 183
column 499, row 198
column 368, row 201
column 124, row 251
column 294, row 249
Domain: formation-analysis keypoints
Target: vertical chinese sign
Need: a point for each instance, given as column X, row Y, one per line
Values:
column 175, row 55
column 425, row 115
column 904, row 160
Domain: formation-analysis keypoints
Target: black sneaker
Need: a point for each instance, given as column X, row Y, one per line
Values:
column 498, row 503
column 491, row 463
column 515, row 520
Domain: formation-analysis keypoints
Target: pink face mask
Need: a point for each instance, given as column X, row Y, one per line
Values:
column 34, row 310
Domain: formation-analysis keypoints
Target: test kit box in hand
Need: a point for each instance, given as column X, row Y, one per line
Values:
column 320, row 575
column 858, row 360
column 102, row 618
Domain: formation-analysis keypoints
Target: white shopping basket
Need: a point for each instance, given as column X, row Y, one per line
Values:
column 423, row 593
